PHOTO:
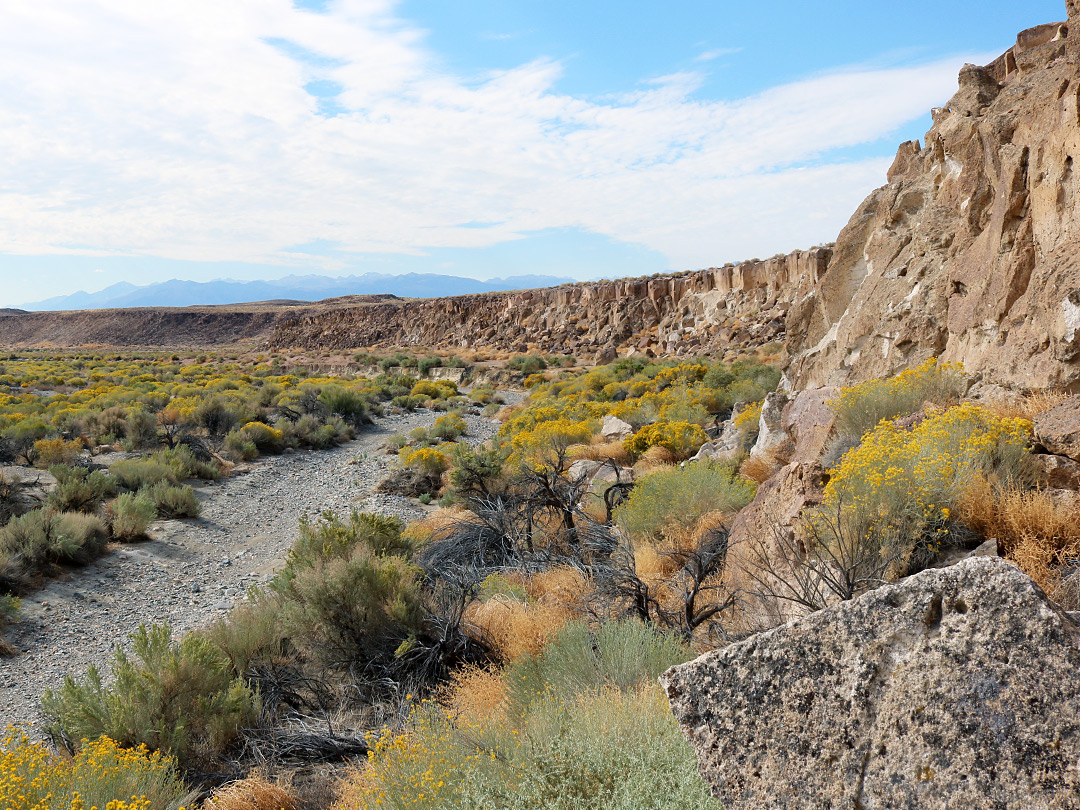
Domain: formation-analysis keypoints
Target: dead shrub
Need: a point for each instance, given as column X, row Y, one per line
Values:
column 1039, row 534
column 517, row 628
column 252, row 793
column 475, row 694
column 758, row 469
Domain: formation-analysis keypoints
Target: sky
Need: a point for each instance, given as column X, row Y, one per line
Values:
column 253, row 139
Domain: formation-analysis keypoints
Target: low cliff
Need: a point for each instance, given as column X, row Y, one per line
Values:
column 732, row 307
column 972, row 250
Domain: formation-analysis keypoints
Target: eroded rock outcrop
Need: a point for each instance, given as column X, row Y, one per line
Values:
column 722, row 309
column 955, row 688
column 972, row 250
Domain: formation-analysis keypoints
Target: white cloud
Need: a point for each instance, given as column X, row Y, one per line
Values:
column 182, row 130
column 715, row 53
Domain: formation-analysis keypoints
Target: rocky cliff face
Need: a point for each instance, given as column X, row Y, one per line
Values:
column 720, row 309
column 972, row 250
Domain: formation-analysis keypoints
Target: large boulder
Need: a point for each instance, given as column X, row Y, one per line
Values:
column 1058, row 429
column 809, row 419
column 773, row 443
column 956, row 688
column 615, row 429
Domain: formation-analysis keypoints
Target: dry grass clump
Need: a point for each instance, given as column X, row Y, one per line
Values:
column 505, row 414
column 420, row 532
column 522, row 621
column 1039, row 534
column 601, row 450
column 654, row 458
column 475, row 695
column 1028, row 407
column 758, row 469
column 252, row 793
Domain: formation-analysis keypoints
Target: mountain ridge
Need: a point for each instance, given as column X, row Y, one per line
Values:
column 182, row 293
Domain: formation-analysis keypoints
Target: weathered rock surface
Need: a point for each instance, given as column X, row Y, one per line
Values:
column 808, row 420
column 615, row 429
column 773, row 444
column 972, row 250
column 1058, row 429
column 955, row 688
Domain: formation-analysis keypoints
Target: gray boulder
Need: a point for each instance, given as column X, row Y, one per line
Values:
column 955, row 688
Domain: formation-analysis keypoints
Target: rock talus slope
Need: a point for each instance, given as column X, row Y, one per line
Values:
column 952, row 689
column 972, row 250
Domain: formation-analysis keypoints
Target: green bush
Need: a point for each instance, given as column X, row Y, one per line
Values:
column 587, row 729
column 346, row 597
column 136, row 473
column 79, row 490
column 30, row 541
column 180, row 698
column 680, row 496
column 346, row 611
column 426, row 364
column 331, row 537
column 181, row 460
column 352, row 406
column 130, row 515
column 173, row 501
column 239, row 446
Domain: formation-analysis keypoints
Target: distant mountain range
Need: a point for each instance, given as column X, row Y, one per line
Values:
column 178, row 293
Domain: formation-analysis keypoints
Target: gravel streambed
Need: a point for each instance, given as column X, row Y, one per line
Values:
column 192, row 572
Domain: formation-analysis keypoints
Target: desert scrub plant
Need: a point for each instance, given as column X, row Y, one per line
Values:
column 265, row 438
column 30, row 542
column 130, row 515
column 449, row 427
column 10, row 606
column 582, row 725
column 427, row 459
column 179, row 698
column 904, row 486
column 78, row 489
column 102, row 774
column 173, row 501
column 351, row 610
column 861, row 407
column 238, row 446
column 135, row 473
column 56, row 451
column 680, row 496
column 681, row 439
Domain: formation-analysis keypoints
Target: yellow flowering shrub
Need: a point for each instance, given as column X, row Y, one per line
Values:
column 907, row 483
column 57, row 451
column 542, row 446
column 860, row 407
column 682, row 439
column 101, row 775
column 427, row 459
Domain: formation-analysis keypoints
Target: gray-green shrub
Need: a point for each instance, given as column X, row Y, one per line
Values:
column 130, row 514
column 79, row 489
column 177, row 697
column 680, row 496
column 172, row 501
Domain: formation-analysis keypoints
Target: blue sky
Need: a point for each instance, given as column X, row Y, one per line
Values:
column 260, row 138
